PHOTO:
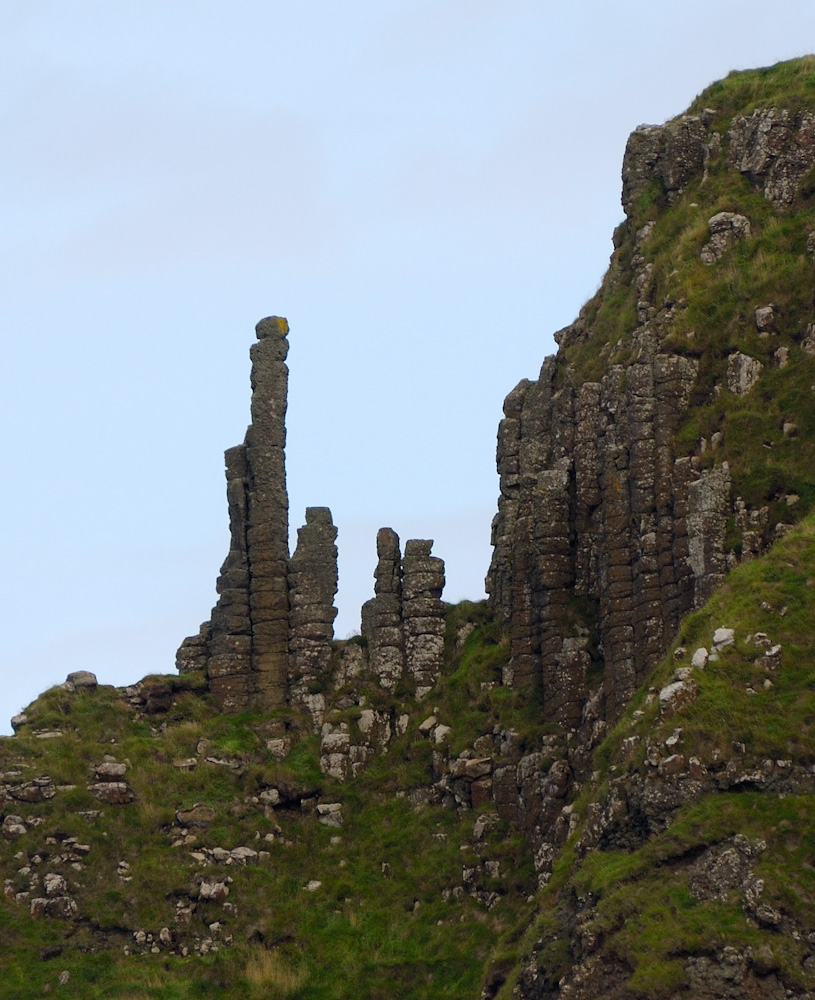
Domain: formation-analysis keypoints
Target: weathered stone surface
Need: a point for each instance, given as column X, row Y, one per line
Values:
column 423, row 613
column 198, row 815
column 114, row 793
column 382, row 616
column 775, row 148
column 726, row 228
column 672, row 153
column 742, row 372
column 594, row 503
column 244, row 648
column 81, row 680
column 312, row 586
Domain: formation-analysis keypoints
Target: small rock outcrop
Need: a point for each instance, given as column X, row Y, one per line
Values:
column 774, row 147
column 382, row 616
column 404, row 623
column 312, row 587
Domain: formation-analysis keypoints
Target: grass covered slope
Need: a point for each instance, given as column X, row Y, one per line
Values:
column 693, row 859
column 402, row 897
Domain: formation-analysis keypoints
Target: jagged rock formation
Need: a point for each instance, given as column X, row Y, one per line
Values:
column 404, row 623
column 382, row 616
column 594, row 505
column 243, row 649
column 607, row 533
column 423, row 613
column 312, row 587
column 269, row 639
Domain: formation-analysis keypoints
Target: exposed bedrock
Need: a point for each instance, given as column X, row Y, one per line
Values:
column 312, row 588
column 244, row 648
column 591, row 564
column 404, row 622
column 606, row 534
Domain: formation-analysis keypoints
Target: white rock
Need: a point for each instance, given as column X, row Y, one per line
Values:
column 699, row 659
column 723, row 637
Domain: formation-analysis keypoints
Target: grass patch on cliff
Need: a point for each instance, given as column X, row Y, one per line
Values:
column 790, row 83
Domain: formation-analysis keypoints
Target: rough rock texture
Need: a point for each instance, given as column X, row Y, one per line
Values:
column 423, row 613
column 244, row 648
column 269, row 639
column 382, row 616
column 726, row 228
column 404, row 623
column 671, row 153
column 312, row 587
column 606, row 534
column 774, row 147
column 591, row 540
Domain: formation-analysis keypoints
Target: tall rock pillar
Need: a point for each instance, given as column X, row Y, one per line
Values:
column 244, row 649
column 267, row 531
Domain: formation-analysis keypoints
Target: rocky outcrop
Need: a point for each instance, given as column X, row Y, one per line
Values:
column 423, row 613
column 591, row 540
column 244, row 648
column 382, row 616
column 404, row 622
column 607, row 533
column 312, row 587
column 269, row 638
column 775, row 148
column 671, row 153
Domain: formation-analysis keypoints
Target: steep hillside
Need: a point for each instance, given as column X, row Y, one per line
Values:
column 600, row 783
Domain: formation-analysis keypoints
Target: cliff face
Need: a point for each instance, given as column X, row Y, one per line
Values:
column 611, row 521
column 596, row 804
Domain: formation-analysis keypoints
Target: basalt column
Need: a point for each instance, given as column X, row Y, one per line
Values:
column 382, row 616
column 267, row 531
column 312, row 586
column 244, row 648
column 423, row 613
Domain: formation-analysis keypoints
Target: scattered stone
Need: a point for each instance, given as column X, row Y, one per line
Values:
column 200, row 815
column 13, row 827
column 765, row 319
column 742, row 373
column 113, row 793
column 187, row 764
column 330, row 813
column 699, row 659
column 215, row 892
column 279, row 747
column 726, row 228
column 244, row 855
column 37, row 790
column 110, row 771
column 723, row 637
column 676, row 696
column 313, row 885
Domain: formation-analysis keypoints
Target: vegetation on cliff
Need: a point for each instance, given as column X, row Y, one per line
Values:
column 468, row 842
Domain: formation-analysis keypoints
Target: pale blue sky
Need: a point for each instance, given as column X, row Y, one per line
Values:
column 426, row 189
